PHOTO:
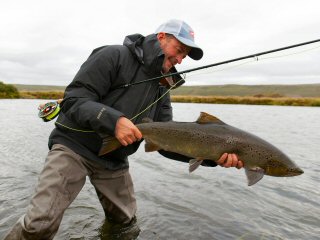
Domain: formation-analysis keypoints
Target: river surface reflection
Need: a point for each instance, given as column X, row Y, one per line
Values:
column 211, row 203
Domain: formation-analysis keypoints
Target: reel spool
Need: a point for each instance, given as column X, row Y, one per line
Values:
column 49, row 111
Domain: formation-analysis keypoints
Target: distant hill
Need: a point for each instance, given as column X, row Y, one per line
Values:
column 39, row 88
column 299, row 90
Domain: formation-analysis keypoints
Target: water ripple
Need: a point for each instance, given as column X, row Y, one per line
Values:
column 211, row 203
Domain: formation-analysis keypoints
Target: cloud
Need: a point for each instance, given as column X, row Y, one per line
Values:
column 45, row 42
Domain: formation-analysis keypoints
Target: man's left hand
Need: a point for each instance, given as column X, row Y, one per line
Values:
column 230, row 160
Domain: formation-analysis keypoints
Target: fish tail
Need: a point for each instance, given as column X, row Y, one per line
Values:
column 109, row 144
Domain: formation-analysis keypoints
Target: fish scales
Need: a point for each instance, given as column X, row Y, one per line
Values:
column 208, row 138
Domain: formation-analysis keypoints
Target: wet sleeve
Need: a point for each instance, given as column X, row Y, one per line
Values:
column 182, row 158
column 82, row 98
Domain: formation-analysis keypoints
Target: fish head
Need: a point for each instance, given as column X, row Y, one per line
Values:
column 283, row 171
column 282, row 166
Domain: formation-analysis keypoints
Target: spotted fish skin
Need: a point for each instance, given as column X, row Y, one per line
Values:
column 208, row 138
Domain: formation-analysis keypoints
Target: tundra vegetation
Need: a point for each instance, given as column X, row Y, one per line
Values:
column 284, row 95
column 8, row 91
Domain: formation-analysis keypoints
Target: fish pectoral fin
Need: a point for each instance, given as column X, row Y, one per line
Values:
column 151, row 147
column 254, row 175
column 194, row 164
column 109, row 144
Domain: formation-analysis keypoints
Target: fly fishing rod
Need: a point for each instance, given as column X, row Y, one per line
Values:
column 256, row 55
column 51, row 110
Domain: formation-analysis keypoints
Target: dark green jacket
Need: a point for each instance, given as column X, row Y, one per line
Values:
column 93, row 101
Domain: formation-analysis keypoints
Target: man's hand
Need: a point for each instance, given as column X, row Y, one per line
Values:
column 230, row 160
column 126, row 132
column 41, row 105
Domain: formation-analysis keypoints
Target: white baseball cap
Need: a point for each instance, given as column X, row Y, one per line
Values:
column 184, row 33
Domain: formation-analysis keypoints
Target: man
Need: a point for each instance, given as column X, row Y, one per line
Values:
column 97, row 105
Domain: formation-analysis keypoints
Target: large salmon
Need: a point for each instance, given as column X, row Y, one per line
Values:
column 208, row 138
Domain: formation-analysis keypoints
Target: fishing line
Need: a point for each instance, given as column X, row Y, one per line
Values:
column 256, row 56
column 131, row 119
column 290, row 54
column 157, row 100
column 74, row 129
column 223, row 69
column 48, row 114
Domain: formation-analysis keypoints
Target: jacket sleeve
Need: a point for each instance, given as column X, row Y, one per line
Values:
column 182, row 158
column 82, row 98
column 164, row 114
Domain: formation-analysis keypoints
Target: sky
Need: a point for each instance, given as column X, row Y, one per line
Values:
column 45, row 42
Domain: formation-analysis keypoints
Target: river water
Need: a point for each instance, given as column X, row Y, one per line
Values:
column 211, row 203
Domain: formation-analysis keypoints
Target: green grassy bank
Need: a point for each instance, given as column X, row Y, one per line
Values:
column 298, row 90
column 281, row 101
column 8, row 91
column 285, row 95
column 41, row 95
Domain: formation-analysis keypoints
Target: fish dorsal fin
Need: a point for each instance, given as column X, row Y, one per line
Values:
column 254, row 175
column 151, row 147
column 207, row 118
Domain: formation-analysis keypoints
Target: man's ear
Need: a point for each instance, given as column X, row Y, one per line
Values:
column 161, row 36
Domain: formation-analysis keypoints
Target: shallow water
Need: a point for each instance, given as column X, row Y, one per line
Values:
column 211, row 203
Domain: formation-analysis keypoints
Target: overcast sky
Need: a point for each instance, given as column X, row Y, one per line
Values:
column 45, row 42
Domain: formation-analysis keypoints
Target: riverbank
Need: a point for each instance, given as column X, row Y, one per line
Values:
column 283, row 95
column 248, row 100
column 41, row 95
column 281, row 101
column 8, row 91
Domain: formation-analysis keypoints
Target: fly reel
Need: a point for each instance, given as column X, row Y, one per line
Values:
column 49, row 111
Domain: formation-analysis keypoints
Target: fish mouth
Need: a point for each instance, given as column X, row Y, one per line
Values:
column 296, row 172
column 299, row 171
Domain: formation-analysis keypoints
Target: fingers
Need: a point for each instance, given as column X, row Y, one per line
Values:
column 129, row 136
column 126, row 140
column 41, row 106
column 234, row 160
column 230, row 160
column 137, row 134
column 240, row 164
column 126, row 132
column 222, row 159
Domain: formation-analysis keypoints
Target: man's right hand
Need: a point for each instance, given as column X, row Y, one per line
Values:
column 126, row 132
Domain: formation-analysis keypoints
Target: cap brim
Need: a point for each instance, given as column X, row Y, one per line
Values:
column 196, row 52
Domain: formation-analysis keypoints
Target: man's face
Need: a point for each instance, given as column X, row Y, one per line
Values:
column 174, row 51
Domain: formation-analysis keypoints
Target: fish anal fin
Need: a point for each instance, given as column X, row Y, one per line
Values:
column 254, row 175
column 109, row 144
column 194, row 164
column 207, row 118
column 151, row 147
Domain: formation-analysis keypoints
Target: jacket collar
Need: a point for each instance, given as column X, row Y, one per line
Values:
column 148, row 53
